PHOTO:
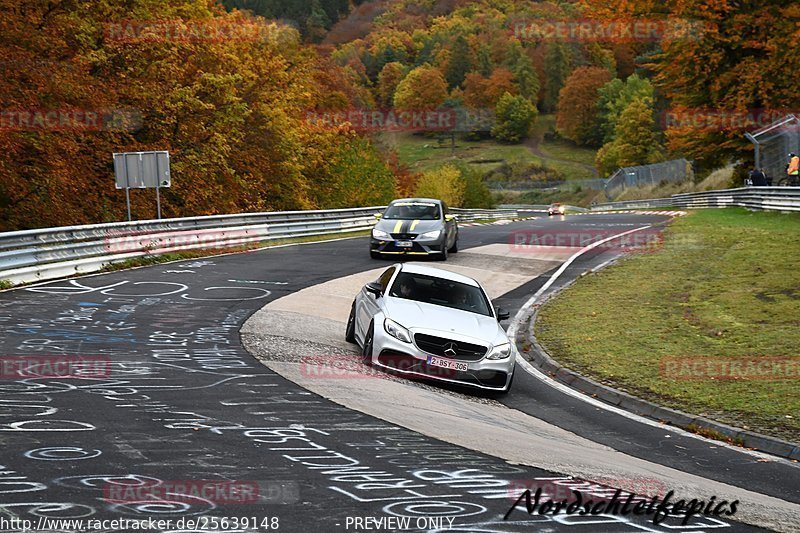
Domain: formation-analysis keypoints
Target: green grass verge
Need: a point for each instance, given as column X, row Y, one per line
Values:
column 725, row 285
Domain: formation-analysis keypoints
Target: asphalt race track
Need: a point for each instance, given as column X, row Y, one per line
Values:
column 185, row 405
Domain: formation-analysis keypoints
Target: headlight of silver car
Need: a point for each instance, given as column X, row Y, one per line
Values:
column 431, row 234
column 380, row 234
column 502, row 351
column 396, row 330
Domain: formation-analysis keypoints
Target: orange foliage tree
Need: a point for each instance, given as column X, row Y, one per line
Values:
column 577, row 118
column 484, row 93
column 226, row 93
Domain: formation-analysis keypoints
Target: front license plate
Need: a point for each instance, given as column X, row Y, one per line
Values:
column 447, row 363
column 404, row 244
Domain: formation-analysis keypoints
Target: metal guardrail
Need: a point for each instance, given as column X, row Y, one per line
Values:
column 766, row 198
column 50, row 253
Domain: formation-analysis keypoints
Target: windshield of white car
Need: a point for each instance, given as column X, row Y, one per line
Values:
column 412, row 211
column 438, row 291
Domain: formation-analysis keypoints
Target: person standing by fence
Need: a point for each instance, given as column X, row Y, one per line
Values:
column 757, row 178
column 793, row 169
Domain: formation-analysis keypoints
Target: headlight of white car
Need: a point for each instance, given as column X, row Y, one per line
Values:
column 431, row 234
column 396, row 330
column 380, row 234
column 502, row 351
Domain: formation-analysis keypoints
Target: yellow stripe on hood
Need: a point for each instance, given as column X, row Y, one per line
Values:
column 397, row 226
column 414, row 225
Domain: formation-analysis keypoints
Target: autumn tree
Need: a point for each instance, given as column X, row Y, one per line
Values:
column 476, row 194
column 484, row 93
column 423, row 88
column 617, row 95
column 635, row 139
column 525, row 75
column 556, row 70
column 515, row 117
column 577, row 116
column 353, row 173
column 460, row 62
column 231, row 112
column 724, row 56
column 311, row 17
column 444, row 183
column 388, row 80
column 485, row 65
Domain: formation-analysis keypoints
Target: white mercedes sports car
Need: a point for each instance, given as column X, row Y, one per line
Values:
column 426, row 322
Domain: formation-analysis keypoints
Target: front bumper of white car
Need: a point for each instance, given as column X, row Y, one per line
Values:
column 467, row 367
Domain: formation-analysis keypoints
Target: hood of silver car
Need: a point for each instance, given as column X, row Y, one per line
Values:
column 445, row 321
column 405, row 226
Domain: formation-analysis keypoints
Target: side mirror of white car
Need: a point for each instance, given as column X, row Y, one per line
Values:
column 502, row 314
column 374, row 288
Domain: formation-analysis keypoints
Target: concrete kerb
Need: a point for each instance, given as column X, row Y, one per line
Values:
column 542, row 360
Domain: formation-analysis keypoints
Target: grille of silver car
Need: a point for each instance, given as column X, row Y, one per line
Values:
column 463, row 351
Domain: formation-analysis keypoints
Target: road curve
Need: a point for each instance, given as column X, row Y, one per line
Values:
column 184, row 403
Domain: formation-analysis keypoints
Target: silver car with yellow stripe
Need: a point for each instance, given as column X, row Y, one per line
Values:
column 415, row 226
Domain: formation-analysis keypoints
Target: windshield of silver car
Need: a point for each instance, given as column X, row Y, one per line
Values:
column 438, row 291
column 412, row 211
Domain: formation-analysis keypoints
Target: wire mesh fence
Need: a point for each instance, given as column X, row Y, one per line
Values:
column 773, row 144
column 674, row 171
column 527, row 185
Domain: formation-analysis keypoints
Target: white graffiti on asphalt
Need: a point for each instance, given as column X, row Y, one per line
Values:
column 62, row 453
column 76, row 287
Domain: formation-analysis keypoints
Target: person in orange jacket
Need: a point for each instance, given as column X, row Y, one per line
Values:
column 793, row 168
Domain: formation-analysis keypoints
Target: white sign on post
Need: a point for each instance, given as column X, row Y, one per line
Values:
column 142, row 170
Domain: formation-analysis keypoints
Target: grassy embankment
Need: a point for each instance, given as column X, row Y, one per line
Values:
column 725, row 285
column 567, row 161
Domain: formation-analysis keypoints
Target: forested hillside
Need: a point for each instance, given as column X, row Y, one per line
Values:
column 226, row 93
column 228, row 89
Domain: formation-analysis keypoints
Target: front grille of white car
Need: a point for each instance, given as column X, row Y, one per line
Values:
column 463, row 351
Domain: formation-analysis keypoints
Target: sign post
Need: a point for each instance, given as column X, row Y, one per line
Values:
column 142, row 170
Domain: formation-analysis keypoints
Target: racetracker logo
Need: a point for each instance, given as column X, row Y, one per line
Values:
column 353, row 367
column 541, row 240
column 602, row 488
column 731, row 368
column 70, row 119
column 460, row 119
column 189, row 31
column 389, row 120
column 216, row 491
column 623, row 30
column 715, row 120
column 54, row 367
column 124, row 241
